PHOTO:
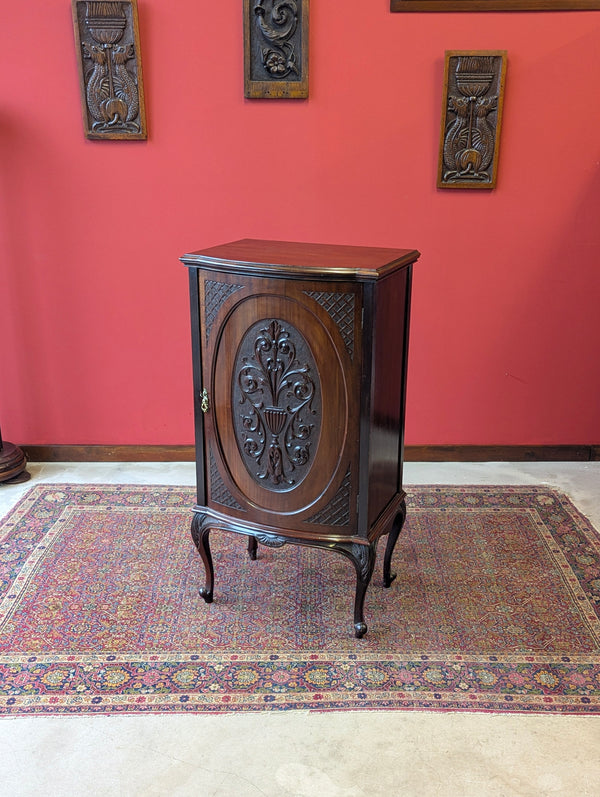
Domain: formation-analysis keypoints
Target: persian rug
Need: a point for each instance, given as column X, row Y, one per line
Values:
column 495, row 608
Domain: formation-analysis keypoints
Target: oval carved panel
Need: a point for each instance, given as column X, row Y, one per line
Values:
column 276, row 404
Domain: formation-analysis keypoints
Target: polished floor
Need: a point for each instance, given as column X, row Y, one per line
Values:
column 299, row 754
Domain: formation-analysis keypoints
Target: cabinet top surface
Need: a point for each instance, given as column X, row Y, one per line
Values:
column 286, row 258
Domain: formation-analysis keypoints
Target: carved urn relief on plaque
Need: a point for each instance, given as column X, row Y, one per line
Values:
column 276, row 404
column 110, row 69
column 471, row 119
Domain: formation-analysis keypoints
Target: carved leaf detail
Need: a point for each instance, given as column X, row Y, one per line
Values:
column 276, row 404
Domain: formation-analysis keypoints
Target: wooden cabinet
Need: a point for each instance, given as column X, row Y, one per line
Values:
column 300, row 355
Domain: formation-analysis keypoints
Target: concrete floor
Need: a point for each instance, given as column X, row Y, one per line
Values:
column 339, row 754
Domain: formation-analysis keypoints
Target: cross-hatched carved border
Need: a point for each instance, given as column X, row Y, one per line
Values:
column 340, row 307
column 218, row 490
column 337, row 511
column 215, row 293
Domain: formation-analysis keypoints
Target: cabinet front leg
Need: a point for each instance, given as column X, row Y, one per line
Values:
column 200, row 535
column 364, row 562
column 393, row 535
column 363, row 559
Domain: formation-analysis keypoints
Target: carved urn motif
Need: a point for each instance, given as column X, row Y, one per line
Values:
column 276, row 404
column 110, row 70
column 471, row 123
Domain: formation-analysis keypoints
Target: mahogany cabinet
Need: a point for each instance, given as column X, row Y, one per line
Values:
column 299, row 360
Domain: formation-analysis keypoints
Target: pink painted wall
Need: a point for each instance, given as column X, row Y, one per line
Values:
column 94, row 309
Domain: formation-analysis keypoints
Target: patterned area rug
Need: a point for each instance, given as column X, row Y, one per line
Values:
column 495, row 608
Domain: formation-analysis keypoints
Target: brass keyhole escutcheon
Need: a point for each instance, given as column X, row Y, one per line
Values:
column 204, row 403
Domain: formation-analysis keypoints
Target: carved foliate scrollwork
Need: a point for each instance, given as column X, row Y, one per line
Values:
column 270, row 540
column 277, row 29
column 276, row 404
column 471, row 122
column 110, row 68
column 276, row 52
column 363, row 555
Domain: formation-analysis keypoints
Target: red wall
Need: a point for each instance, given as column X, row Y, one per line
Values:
column 94, row 310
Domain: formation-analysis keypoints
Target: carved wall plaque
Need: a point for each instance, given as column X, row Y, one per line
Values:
column 494, row 5
column 276, row 404
column 110, row 69
column 471, row 116
column 276, row 48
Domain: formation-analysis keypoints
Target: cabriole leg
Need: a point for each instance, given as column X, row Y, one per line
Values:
column 200, row 536
column 364, row 562
column 363, row 559
column 393, row 535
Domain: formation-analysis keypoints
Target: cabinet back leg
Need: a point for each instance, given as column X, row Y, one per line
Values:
column 252, row 546
column 393, row 535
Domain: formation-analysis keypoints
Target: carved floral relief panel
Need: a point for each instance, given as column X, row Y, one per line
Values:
column 276, row 404
column 276, row 48
column 110, row 69
column 471, row 118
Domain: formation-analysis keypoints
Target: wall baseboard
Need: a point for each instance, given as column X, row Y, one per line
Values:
column 564, row 453
column 99, row 453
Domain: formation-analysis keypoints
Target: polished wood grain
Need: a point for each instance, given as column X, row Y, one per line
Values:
column 390, row 314
column 257, row 257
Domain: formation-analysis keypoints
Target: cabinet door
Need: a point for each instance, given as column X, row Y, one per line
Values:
column 282, row 431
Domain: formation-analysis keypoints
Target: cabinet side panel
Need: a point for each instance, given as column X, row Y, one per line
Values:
column 387, row 396
column 197, row 373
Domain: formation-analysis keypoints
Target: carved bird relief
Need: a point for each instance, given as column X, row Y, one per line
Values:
column 470, row 139
column 125, row 85
column 111, row 90
column 469, row 142
column 96, row 80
